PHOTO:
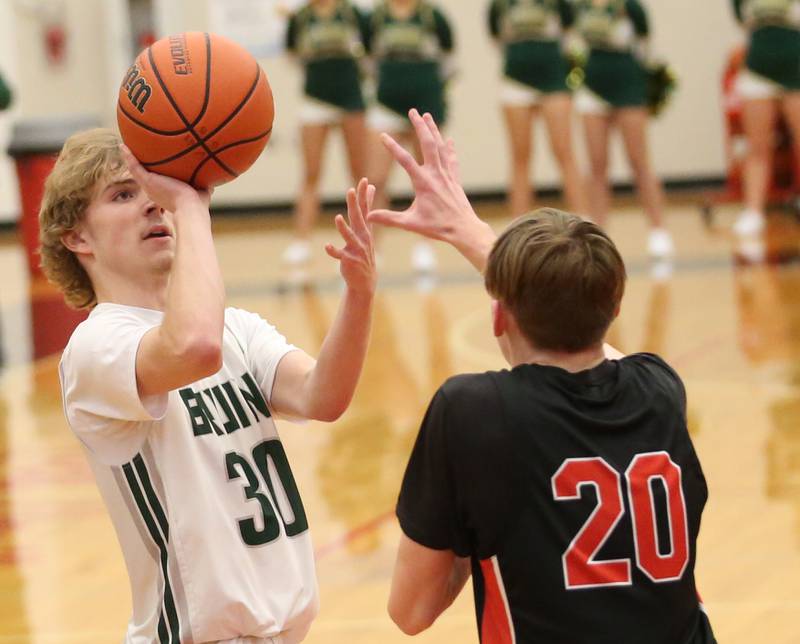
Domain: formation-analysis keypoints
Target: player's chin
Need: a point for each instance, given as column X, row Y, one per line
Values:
column 161, row 259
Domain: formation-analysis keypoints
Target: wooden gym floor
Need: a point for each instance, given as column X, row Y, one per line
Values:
column 729, row 325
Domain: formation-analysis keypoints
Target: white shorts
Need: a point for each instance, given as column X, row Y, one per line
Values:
column 381, row 119
column 514, row 94
column 314, row 112
column 751, row 86
column 587, row 102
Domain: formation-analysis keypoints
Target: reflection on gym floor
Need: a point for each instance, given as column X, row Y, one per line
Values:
column 727, row 319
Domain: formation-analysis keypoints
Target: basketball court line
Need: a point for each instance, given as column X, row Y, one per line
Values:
column 407, row 280
column 395, row 281
column 351, row 535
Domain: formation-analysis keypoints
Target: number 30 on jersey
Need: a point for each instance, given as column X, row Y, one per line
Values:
column 581, row 569
column 268, row 527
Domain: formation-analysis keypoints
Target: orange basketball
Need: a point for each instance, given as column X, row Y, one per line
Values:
column 197, row 107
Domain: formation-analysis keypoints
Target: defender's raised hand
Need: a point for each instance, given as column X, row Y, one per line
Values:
column 440, row 209
column 357, row 258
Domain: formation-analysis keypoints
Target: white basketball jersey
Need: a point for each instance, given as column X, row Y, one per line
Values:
column 197, row 483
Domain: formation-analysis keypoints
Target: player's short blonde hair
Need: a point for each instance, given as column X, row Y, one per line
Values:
column 560, row 276
column 87, row 158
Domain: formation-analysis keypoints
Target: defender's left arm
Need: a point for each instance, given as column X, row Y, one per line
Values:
column 425, row 582
column 322, row 389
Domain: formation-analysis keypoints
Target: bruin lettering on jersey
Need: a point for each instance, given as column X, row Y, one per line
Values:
column 181, row 64
column 138, row 90
column 222, row 409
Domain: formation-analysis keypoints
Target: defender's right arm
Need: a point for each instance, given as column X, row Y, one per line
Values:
column 441, row 209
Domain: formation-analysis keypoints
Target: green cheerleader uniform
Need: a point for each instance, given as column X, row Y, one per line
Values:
column 531, row 32
column 408, row 54
column 330, row 48
column 774, row 50
column 613, row 71
column 5, row 94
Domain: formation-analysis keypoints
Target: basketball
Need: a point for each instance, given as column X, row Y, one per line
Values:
column 197, row 107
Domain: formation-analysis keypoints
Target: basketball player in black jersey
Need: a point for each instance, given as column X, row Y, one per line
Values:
column 566, row 485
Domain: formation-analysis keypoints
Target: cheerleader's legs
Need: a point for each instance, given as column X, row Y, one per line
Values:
column 314, row 137
column 632, row 123
column 597, row 128
column 758, row 118
column 791, row 112
column 557, row 111
column 380, row 168
column 381, row 160
column 519, row 125
column 354, row 130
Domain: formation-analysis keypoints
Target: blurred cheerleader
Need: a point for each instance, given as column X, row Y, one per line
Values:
column 535, row 83
column 327, row 36
column 769, row 84
column 410, row 42
column 615, row 93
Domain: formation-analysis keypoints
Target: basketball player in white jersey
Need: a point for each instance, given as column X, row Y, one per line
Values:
column 173, row 397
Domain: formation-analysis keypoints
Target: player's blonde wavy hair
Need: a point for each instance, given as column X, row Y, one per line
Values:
column 87, row 158
column 560, row 276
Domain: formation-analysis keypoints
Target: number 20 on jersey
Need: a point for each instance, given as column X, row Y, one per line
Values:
column 581, row 569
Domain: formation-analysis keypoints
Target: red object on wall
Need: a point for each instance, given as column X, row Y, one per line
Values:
column 55, row 43
column 32, row 170
column 52, row 321
column 146, row 38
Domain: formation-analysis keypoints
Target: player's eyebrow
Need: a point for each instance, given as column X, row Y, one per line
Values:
column 119, row 183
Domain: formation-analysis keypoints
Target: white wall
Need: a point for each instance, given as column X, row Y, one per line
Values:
column 694, row 35
column 41, row 89
column 686, row 141
column 9, row 199
column 77, row 86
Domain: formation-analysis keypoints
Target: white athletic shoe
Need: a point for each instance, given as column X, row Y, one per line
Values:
column 752, row 249
column 661, row 270
column 659, row 243
column 423, row 259
column 750, row 222
column 297, row 253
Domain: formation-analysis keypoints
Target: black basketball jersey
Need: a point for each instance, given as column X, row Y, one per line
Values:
column 577, row 496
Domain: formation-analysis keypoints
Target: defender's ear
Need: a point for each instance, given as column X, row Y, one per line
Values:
column 499, row 321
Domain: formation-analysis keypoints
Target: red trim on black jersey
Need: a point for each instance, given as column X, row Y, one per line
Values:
column 496, row 627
